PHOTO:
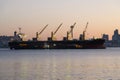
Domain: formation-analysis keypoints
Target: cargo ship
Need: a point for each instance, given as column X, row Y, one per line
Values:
column 52, row 43
column 71, row 44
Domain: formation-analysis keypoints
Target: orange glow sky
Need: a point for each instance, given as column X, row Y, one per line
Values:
column 32, row 15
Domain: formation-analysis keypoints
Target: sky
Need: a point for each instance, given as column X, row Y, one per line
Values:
column 32, row 15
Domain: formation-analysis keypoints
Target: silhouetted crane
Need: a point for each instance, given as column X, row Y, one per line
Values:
column 85, row 31
column 71, row 31
column 53, row 33
column 37, row 34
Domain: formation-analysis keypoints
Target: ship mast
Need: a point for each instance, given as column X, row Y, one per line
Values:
column 19, row 30
column 20, row 34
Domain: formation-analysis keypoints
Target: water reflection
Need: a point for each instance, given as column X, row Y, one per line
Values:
column 60, row 65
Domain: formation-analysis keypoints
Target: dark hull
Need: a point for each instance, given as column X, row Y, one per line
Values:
column 68, row 44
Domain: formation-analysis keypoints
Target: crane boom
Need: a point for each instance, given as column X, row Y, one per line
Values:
column 53, row 33
column 71, row 31
column 86, row 27
column 37, row 34
column 72, row 27
column 74, row 24
column 43, row 29
column 58, row 28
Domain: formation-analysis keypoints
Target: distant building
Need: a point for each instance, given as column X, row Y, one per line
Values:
column 116, row 36
column 115, row 42
column 108, row 42
column 4, row 41
column 106, row 37
column 116, row 39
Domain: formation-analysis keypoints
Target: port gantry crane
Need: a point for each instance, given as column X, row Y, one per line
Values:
column 53, row 33
column 85, row 31
column 38, row 34
column 70, row 37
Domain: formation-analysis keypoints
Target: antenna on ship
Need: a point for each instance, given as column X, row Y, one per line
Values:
column 19, row 30
column 53, row 33
column 85, row 31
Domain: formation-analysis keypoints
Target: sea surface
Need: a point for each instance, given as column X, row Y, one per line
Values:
column 84, row 64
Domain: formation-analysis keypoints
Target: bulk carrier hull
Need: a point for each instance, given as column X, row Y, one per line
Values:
column 63, row 44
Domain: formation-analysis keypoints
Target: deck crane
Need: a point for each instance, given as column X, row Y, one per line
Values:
column 53, row 33
column 37, row 34
column 71, row 32
column 85, row 31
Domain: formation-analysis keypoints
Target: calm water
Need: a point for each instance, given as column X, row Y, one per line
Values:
column 60, row 64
